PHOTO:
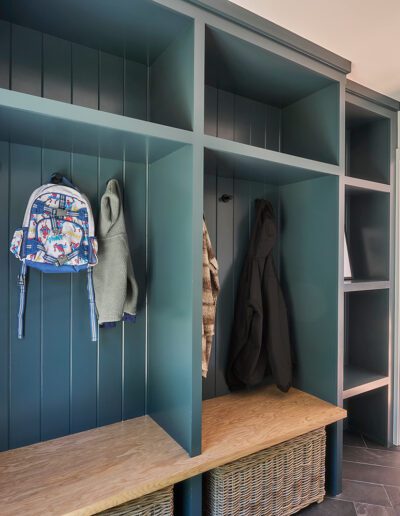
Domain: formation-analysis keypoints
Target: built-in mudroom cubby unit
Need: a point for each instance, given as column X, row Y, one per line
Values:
column 198, row 108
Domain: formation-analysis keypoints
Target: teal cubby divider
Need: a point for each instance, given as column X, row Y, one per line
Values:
column 171, row 340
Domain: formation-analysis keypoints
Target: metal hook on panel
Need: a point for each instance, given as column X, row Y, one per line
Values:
column 225, row 198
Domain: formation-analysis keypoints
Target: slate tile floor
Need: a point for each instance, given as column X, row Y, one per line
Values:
column 371, row 481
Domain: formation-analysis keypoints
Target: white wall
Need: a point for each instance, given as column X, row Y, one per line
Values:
column 364, row 31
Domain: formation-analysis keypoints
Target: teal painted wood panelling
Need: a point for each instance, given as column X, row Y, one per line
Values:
column 170, row 298
column 56, row 307
column 5, row 42
column 44, row 65
column 241, row 119
column 142, row 29
column 134, row 350
column 4, row 296
column 25, row 355
column 56, row 381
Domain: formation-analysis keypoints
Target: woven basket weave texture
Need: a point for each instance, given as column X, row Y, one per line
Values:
column 277, row 481
column 159, row 503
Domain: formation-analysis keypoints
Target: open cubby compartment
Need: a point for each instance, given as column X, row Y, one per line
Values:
column 367, row 144
column 256, row 97
column 56, row 381
column 367, row 227
column 128, row 58
column 306, row 259
column 369, row 414
column 366, row 345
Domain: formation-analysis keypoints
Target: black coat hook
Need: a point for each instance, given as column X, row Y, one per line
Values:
column 225, row 198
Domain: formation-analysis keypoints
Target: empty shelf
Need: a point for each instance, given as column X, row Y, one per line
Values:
column 257, row 164
column 38, row 121
column 354, row 183
column 356, row 381
column 101, row 468
column 358, row 286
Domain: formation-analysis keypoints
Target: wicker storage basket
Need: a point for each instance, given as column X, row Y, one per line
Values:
column 274, row 482
column 160, row 503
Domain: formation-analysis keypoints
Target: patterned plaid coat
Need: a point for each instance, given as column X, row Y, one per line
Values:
column 210, row 294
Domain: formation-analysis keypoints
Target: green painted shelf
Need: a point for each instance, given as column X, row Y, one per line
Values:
column 257, row 164
column 357, row 381
column 37, row 121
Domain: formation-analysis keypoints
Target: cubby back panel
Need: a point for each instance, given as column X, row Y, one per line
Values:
column 229, row 225
column 47, row 66
column 56, row 381
column 241, row 119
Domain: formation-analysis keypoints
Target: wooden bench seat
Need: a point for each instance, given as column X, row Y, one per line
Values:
column 85, row 473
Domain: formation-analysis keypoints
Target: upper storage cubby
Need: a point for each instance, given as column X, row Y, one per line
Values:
column 259, row 98
column 129, row 58
column 367, row 144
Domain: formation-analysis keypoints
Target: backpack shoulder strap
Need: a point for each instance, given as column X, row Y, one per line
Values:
column 22, row 296
column 92, row 305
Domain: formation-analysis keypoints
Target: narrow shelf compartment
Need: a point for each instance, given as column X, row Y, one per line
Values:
column 367, row 145
column 356, row 381
column 369, row 413
column 366, row 346
column 367, row 226
column 256, row 97
column 129, row 58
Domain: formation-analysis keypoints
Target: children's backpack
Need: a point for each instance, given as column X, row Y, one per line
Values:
column 57, row 236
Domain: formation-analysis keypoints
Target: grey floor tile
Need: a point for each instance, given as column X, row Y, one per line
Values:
column 330, row 507
column 371, row 473
column 365, row 509
column 373, row 445
column 363, row 492
column 394, row 497
column 353, row 439
column 379, row 457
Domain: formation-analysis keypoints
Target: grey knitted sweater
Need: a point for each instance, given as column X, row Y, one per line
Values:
column 114, row 281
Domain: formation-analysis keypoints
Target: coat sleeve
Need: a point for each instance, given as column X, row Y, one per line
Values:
column 130, row 305
column 277, row 330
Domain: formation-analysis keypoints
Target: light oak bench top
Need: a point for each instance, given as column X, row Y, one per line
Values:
column 85, row 473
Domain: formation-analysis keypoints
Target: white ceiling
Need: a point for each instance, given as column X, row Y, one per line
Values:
column 364, row 31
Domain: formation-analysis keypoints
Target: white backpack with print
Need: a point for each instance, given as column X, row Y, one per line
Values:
column 57, row 236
